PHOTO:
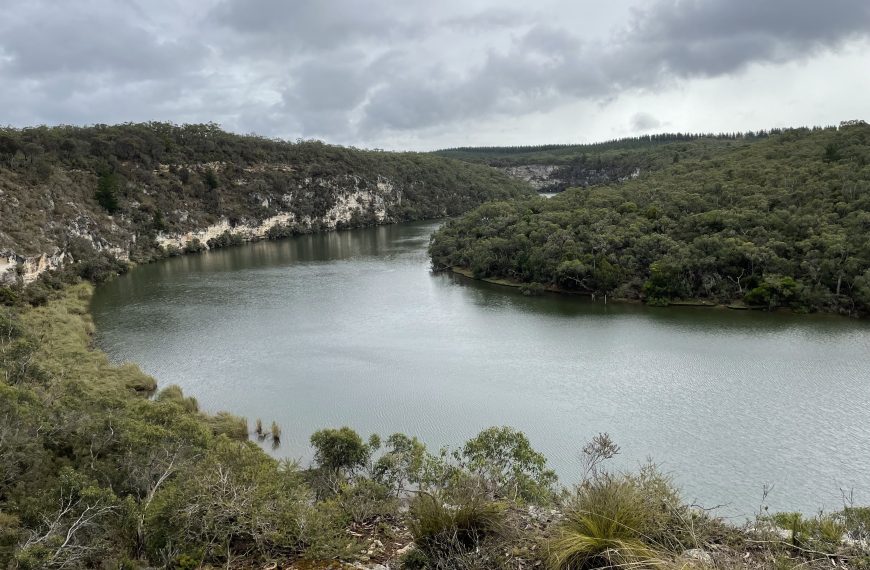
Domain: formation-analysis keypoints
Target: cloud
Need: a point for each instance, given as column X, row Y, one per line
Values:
column 665, row 42
column 641, row 122
column 41, row 41
column 366, row 73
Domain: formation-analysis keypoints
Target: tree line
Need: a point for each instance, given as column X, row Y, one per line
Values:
column 779, row 223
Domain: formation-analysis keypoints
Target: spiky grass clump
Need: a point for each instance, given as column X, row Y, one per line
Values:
column 443, row 530
column 605, row 526
column 225, row 423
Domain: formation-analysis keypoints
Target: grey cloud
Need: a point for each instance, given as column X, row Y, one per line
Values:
column 666, row 41
column 364, row 71
column 309, row 25
column 41, row 40
column 643, row 122
column 713, row 37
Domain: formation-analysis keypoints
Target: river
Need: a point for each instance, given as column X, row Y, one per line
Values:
column 351, row 328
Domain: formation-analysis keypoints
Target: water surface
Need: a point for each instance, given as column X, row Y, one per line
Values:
column 351, row 328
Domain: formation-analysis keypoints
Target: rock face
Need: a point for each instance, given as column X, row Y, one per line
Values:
column 14, row 267
column 556, row 178
column 350, row 203
column 321, row 203
column 539, row 176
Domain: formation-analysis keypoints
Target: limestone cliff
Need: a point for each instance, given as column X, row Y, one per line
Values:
column 138, row 192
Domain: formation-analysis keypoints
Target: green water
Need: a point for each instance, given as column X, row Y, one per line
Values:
column 351, row 328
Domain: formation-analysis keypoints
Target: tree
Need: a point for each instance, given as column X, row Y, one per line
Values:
column 338, row 450
column 107, row 192
column 506, row 464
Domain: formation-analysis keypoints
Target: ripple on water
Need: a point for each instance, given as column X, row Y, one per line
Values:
column 351, row 328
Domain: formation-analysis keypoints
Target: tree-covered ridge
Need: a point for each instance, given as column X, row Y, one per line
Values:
column 121, row 185
column 562, row 153
column 780, row 223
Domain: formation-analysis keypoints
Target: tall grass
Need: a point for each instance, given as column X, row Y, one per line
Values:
column 605, row 526
column 445, row 532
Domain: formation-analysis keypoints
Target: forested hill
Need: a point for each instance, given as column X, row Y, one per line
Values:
column 553, row 168
column 782, row 222
column 567, row 153
column 120, row 187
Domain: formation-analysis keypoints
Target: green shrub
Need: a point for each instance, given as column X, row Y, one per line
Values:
column 507, row 465
column 856, row 521
column 366, row 500
column 194, row 246
column 339, row 450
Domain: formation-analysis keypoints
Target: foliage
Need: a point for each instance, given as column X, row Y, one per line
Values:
column 366, row 500
column 507, row 465
column 338, row 450
column 770, row 224
column 107, row 192
column 604, row 527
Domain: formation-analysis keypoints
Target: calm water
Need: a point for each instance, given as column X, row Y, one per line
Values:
column 351, row 328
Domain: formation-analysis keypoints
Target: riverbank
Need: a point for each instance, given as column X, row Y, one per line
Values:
column 535, row 288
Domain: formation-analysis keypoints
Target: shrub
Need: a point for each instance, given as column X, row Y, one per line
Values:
column 442, row 531
column 366, row 500
column 107, row 192
column 194, row 246
column 857, row 522
column 173, row 393
column 508, row 466
column 339, row 449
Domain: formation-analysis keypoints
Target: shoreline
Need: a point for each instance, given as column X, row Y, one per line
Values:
column 734, row 306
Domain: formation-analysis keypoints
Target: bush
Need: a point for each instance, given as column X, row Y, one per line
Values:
column 443, row 531
column 508, row 466
column 625, row 520
column 856, row 521
column 338, row 450
column 173, row 393
column 366, row 500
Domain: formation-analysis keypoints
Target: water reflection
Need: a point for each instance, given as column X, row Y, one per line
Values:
column 350, row 328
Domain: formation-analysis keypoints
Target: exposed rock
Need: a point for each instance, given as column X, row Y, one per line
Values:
column 698, row 554
column 28, row 268
column 555, row 178
column 539, row 176
column 405, row 550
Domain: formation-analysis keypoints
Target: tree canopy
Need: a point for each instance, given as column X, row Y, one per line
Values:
column 779, row 223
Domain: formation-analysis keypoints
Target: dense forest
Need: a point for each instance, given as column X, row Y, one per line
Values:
column 555, row 168
column 566, row 153
column 100, row 469
column 118, row 187
column 780, row 222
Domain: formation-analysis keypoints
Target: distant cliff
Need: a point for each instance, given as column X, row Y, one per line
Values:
column 139, row 191
column 556, row 178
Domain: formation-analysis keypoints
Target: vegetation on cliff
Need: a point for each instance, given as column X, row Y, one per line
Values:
column 782, row 222
column 120, row 186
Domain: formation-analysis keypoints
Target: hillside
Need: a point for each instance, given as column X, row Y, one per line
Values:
column 782, row 222
column 554, row 168
column 144, row 190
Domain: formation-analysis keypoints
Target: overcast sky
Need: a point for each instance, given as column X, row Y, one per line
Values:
column 409, row 74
